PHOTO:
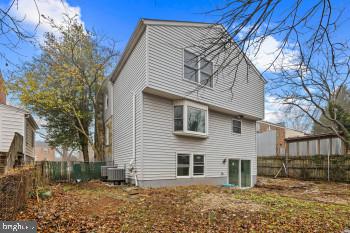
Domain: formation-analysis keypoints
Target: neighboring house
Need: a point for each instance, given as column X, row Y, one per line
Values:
column 16, row 120
column 271, row 138
column 43, row 152
column 107, row 98
column 168, row 129
column 319, row 144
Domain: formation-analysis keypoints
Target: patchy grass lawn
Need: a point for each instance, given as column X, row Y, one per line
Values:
column 281, row 205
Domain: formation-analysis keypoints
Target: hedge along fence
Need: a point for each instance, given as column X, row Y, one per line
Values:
column 20, row 184
column 16, row 187
column 71, row 171
column 317, row 167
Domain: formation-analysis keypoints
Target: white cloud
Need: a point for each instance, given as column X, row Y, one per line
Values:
column 35, row 11
column 274, row 110
column 268, row 52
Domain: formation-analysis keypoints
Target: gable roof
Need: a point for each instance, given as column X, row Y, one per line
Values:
column 140, row 28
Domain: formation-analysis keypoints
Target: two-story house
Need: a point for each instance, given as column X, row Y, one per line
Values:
column 171, row 126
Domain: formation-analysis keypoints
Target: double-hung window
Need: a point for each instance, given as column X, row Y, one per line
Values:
column 190, row 118
column 198, row 165
column 178, row 117
column 106, row 102
column 183, row 165
column 197, row 69
column 190, row 165
column 191, row 67
column 107, row 136
column 236, row 126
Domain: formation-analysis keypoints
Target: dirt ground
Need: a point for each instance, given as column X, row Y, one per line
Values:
column 274, row 205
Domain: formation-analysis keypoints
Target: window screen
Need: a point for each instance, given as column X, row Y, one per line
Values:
column 183, row 165
column 236, row 126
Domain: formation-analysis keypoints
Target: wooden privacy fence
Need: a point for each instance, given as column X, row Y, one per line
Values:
column 317, row 167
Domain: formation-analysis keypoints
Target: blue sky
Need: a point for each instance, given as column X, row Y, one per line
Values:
column 117, row 20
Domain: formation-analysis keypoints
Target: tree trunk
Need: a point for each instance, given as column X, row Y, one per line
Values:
column 84, row 140
column 64, row 153
column 85, row 148
column 99, row 128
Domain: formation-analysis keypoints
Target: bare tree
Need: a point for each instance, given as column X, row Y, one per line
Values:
column 13, row 31
column 315, row 89
column 307, row 81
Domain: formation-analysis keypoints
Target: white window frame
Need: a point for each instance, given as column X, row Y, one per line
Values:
column 240, row 179
column 190, row 174
column 185, row 131
column 198, row 70
column 189, row 170
column 106, row 102
column 235, row 119
column 107, row 136
column 204, row 164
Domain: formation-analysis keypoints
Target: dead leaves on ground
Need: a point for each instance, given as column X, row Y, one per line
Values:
column 95, row 207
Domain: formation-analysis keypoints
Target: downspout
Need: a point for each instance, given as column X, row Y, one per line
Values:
column 328, row 155
column 134, row 135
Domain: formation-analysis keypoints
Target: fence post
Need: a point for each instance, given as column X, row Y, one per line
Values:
column 286, row 158
column 329, row 151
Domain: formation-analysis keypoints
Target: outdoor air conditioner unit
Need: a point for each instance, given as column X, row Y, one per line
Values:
column 115, row 174
column 104, row 171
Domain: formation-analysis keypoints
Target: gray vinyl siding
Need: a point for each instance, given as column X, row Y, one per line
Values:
column 160, row 145
column 108, row 91
column 165, row 68
column 132, row 79
column 29, row 144
column 11, row 121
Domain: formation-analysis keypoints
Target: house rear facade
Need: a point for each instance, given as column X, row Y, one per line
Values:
column 14, row 120
column 175, row 125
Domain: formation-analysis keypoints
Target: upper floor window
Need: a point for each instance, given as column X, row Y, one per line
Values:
column 190, row 118
column 198, row 69
column 107, row 142
column 33, row 138
column 237, row 126
column 106, row 102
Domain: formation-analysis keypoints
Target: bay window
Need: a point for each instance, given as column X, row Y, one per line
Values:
column 190, row 118
column 178, row 118
column 196, row 119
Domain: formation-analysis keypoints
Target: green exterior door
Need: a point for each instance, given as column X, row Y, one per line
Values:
column 245, row 173
column 233, row 170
